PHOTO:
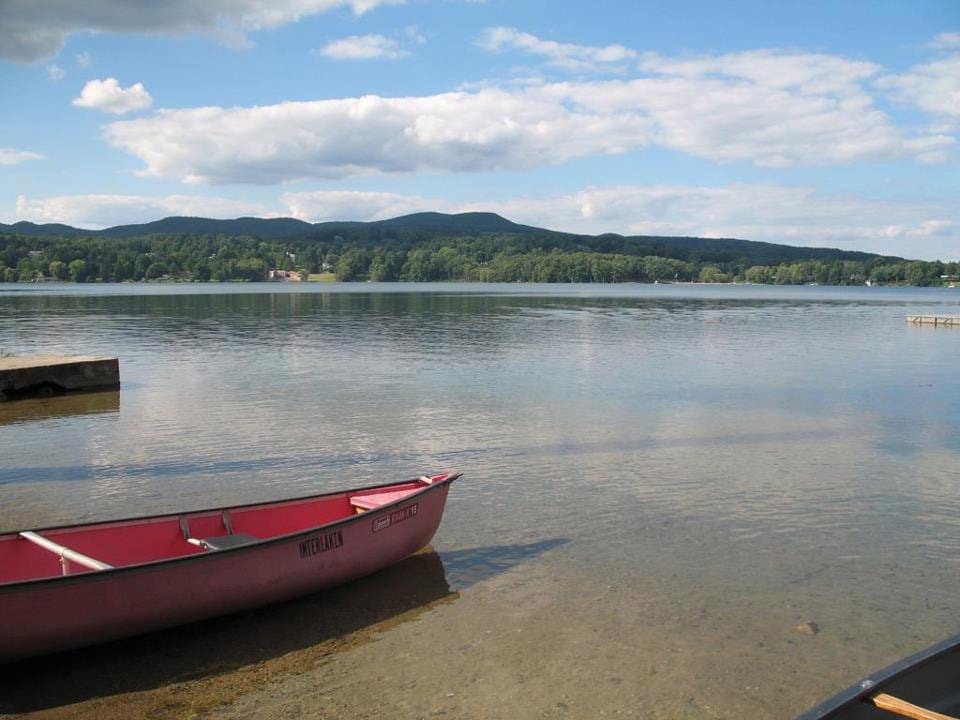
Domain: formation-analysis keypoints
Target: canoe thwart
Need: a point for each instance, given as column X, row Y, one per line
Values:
column 224, row 542
column 66, row 554
column 897, row 706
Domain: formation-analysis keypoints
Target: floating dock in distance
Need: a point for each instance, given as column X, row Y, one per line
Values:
column 55, row 374
column 945, row 320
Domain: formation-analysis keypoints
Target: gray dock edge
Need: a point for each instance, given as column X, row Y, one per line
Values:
column 47, row 375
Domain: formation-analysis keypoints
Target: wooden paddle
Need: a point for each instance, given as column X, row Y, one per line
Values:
column 902, row 707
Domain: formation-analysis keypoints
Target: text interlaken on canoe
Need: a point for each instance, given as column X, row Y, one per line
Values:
column 321, row 543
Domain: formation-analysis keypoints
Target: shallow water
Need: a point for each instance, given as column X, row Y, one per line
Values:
column 660, row 481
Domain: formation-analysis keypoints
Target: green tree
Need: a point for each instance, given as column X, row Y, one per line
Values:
column 59, row 270
column 759, row 274
column 351, row 265
column 78, row 270
column 712, row 274
column 156, row 270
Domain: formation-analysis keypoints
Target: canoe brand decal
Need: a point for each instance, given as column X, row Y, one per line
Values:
column 321, row 544
column 397, row 516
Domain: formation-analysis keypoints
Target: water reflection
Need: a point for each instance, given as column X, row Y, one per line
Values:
column 33, row 409
column 334, row 462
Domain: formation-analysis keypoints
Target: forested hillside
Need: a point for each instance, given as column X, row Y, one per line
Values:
column 422, row 248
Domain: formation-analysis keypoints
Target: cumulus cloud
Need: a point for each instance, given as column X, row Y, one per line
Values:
column 98, row 211
column 363, row 47
column 770, row 109
column 107, row 96
column 933, row 87
column 9, row 156
column 84, row 59
column 55, row 72
column 322, row 205
column 487, row 130
column 36, row 29
column 563, row 55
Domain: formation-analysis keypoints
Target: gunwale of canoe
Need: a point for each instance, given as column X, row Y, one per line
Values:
column 919, row 679
column 135, row 521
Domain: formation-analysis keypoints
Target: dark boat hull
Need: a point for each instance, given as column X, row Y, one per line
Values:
column 930, row 679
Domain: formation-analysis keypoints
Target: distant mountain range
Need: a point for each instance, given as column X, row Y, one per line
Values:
column 279, row 228
column 426, row 225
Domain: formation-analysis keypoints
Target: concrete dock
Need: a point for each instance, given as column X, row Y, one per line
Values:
column 940, row 320
column 41, row 375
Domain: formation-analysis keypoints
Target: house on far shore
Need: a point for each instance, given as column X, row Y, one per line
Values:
column 283, row 275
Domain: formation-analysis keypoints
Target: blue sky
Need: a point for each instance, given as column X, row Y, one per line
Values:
column 805, row 123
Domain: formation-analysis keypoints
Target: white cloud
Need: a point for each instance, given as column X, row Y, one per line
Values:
column 933, row 87
column 946, row 40
column 35, row 29
column 107, row 96
column 564, row 55
column 55, row 72
column 363, row 47
column 9, row 156
column 323, row 205
column 773, row 213
column 737, row 120
column 804, row 73
column 98, row 211
column 770, row 109
column 486, row 130
column 84, row 59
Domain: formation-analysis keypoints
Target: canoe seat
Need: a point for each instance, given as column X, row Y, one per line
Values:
column 225, row 542
column 374, row 500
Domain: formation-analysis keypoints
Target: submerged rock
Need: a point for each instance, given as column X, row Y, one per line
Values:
column 807, row 628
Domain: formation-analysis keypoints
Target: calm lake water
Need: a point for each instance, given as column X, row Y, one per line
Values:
column 660, row 483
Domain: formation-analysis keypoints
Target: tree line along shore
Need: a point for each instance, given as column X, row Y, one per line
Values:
column 413, row 258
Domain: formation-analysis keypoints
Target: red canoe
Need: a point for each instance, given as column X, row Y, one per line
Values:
column 66, row 587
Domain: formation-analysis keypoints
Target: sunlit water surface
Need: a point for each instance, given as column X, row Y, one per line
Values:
column 660, row 483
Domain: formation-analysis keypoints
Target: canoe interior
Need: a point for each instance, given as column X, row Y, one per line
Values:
column 930, row 679
column 133, row 542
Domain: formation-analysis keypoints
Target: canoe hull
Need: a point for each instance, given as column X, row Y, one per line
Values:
column 53, row 615
column 930, row 679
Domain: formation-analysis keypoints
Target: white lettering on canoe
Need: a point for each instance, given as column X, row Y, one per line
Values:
column 397, row 516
